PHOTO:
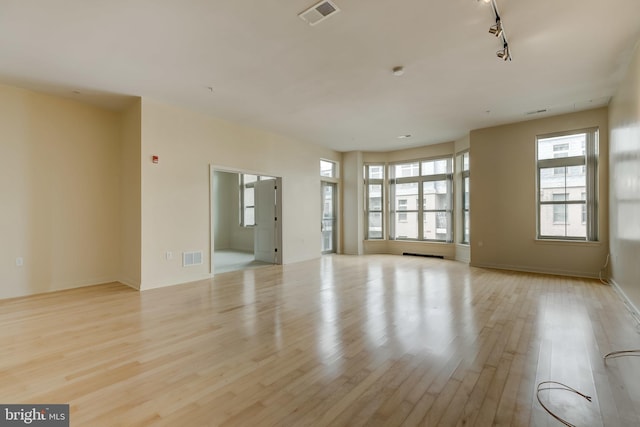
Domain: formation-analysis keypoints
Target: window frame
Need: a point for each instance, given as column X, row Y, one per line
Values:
column 334, row 169
column 420, row 210
column 589, row 161
column 465, row 208
column 368, row 181
column 243, row 186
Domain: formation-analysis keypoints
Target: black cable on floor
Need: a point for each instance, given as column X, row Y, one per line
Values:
column 621, row 353
column 561, row 387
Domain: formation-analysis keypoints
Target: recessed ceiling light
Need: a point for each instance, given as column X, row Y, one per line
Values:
column 404, row 136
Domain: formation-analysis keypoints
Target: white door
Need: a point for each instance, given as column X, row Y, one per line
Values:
column 265, row 228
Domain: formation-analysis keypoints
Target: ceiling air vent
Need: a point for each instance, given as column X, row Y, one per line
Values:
column 319, row 12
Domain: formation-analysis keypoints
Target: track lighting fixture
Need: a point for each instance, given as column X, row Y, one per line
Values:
column 498, row 30
column 504, row 53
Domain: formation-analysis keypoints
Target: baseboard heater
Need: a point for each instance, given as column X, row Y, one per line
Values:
column 423, row 255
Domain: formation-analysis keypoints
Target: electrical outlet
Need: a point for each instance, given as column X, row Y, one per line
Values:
column 168, row 255
column 19, row 262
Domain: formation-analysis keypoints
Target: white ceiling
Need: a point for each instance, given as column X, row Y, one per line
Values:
column 331, row 83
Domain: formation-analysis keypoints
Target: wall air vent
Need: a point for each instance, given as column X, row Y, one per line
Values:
column 191, row 258
column 530, row 113
column 319, row 12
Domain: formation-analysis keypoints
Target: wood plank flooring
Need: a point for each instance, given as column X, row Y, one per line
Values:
column 340, row 341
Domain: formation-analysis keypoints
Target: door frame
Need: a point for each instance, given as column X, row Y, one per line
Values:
column 212, row 199
column 336, row 214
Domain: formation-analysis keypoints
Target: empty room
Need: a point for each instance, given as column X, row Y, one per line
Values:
column 334, row 213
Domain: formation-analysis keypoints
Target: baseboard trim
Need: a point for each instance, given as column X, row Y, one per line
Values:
column 626, row 300
column 567, row 273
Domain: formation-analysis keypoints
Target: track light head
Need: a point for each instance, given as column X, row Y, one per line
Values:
column 504, row 54
column 496, row 29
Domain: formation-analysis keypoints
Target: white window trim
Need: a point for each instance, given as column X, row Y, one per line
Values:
column 420, row 180
column 590, row 160
column 367, row 208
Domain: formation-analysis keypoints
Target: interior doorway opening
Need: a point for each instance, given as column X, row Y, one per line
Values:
column 246, row 220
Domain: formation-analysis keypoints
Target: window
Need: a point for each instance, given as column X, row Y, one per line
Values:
column 328, row 169
column 560, row 210
column 374, row 181
column 567, row 185
column 247, row 200
column 465, row 198
column 421, row 200
column 402, row 206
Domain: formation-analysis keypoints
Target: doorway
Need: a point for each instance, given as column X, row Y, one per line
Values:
column 245, row 220
column 328, row 192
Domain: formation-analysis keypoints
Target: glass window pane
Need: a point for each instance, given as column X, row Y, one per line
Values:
column 435, row 225
column 435, row 167
column 376, row 171
column 405, row 170
column 435, row 195
column 465, row 184
column 250, row 178
column 564, row 220
column 327, row 169
column 576, row 182
column 408, row 194
column 248, row 196
column 562, row 146
column 550, row 183
column 406, row 225
column 375, row 197
column 249, row 216
column 465, row 237
column 375, row 225
column 465, row 162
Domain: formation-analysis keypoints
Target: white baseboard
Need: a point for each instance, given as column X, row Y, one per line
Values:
column 630, row 305
column 527, row 269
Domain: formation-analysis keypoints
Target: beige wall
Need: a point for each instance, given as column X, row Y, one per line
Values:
column 503, row 199
column 624, row 119
column 59, row 167
column 352, row 203
column 176, row 192
column 130, row 208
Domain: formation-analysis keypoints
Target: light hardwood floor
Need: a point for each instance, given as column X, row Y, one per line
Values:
column 339, row 341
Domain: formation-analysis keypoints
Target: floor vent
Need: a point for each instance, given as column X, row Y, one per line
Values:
column 319, row 12
column 191, row 258
column 423, row 255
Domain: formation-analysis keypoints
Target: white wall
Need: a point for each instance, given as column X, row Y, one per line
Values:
column 60, row 190
column 503, row 199
column 624, row 119
column 176, row 192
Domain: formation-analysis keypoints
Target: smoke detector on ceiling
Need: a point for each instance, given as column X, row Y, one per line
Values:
column 319, row 12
